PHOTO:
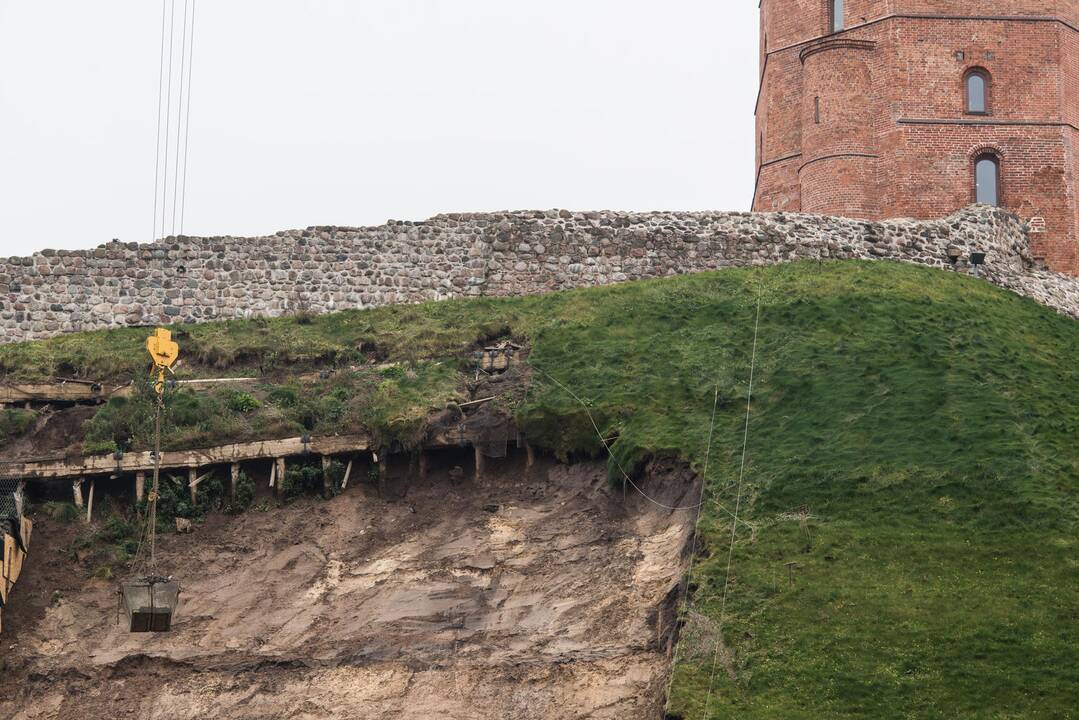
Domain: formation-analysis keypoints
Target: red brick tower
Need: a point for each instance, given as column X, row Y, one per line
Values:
column 915, row 108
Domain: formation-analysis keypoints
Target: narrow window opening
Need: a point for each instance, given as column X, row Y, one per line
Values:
column 987, row 179
column 977, row 92
column 837, row 15
column 816, row 110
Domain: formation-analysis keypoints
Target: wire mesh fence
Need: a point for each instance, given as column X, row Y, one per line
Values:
column 11, row 498
column 11, row 519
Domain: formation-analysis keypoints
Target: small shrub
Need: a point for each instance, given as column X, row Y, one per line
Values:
column 119, row 531
column 241, row 402
column 174, row 500
column 283, row 396
column 393, row 372
column 306, row 479
column 61, row 511
column 15, row 422
column 105, row 446
column 123, row 422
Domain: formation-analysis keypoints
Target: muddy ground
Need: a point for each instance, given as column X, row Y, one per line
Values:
column 537, row 594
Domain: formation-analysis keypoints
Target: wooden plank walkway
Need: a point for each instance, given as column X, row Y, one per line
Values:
column 78, row 466
column 18, row 393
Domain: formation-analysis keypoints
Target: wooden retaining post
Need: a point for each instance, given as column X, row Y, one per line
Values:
column 327, row 485
column 280, row 485
column 381, row 473
column 234, row 479
column 193, row 482
column 76, row 491
column 348, row 473
column 479, row 462
column 140, row 486
column 90, row 502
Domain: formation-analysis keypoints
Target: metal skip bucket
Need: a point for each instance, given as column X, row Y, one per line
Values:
column 149, row 603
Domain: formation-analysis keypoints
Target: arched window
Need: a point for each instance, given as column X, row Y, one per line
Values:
column 977, row 85
column 987, row 179
column 836, row 13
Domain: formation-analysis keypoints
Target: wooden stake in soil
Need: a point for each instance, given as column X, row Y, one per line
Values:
column 530, row 456
column 234, row 479
column 140, row 486
column 76, row 491
column 790, row 571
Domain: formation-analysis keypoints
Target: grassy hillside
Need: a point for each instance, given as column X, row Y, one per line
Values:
column 913, row 450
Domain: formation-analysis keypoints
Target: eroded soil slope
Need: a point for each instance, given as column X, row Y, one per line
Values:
column 525, row 595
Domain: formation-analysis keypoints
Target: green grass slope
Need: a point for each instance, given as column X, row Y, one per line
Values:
column 913, row 450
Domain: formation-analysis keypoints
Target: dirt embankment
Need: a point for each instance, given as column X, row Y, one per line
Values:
column 524, row 595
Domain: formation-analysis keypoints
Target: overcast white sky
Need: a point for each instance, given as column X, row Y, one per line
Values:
column 350, row 112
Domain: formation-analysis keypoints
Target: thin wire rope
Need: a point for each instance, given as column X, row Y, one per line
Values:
column 179, row 121
column 168, row 113
column 157, row 146
column 704, row 487
column 607, row 447
column 693, row 539
column 625, row 475
column 737, row 506
column 187, row 121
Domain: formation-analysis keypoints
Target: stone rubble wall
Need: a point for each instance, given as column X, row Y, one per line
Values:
column 320, row 269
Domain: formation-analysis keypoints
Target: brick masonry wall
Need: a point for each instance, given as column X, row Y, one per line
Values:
column 899, row 141
column 322, row 269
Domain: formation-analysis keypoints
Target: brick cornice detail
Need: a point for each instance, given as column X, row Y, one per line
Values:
column 837, row 155
column 965, row 121
column 836, row 43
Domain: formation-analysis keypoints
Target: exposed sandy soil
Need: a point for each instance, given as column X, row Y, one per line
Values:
column 57, row 432
column 537, row 595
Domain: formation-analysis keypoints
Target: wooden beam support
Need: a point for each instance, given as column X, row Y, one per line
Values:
column 381, row 473
column 279, row 487
column 480, row 462
column 234, row 479
column 140, row 486
column 220, row 455
column 348, row 473
column 327, row 484
column 90, row 502
column 51, row 392
column 63, row 466
column 193, row 482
